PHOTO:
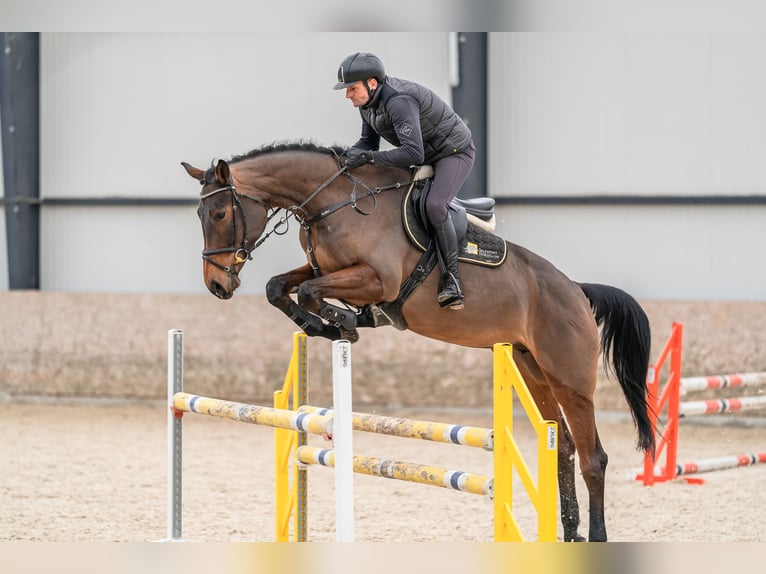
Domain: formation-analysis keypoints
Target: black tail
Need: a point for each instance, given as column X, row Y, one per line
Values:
column 626, row 338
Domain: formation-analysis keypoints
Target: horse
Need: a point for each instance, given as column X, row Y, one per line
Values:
column 357, row 258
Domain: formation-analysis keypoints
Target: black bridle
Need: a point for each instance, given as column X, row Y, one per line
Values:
column 243, row 252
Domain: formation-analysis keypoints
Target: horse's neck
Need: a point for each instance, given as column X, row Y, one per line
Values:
column 275, row 188
column 309, row 181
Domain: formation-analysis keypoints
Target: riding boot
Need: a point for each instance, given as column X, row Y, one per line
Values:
column 450, row 294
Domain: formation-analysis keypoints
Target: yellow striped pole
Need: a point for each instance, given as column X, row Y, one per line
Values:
column 254, row 414
column 417, row 429
column 405, row 471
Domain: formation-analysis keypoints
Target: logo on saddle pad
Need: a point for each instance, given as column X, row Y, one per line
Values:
column 475, row 245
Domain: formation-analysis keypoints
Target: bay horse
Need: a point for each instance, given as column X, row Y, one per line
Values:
column 358, row 254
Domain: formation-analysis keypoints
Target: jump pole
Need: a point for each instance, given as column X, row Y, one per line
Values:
column 341, row 423
column 175, row 435
column 689, row 384
column 343, row 441
column 669, row 396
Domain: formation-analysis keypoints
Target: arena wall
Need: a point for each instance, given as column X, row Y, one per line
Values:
column 114, row 346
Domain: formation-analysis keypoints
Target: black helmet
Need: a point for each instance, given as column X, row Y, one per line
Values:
column 359, row 66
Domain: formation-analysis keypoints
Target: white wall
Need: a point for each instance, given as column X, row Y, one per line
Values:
column 639, row 114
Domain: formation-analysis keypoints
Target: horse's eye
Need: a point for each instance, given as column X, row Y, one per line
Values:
column 219, row 215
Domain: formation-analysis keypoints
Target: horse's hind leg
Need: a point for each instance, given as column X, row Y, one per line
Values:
column 570, row 510
column 549, row 409
column 580, row 413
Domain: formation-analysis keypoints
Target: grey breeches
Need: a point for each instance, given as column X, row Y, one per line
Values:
column 449, row 175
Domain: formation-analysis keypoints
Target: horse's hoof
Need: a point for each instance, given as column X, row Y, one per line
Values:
column 351, row 336
column 573, row 536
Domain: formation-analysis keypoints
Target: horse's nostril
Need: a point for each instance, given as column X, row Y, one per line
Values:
column 217, row 289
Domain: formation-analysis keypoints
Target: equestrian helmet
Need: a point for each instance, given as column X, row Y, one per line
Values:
column 359, row 66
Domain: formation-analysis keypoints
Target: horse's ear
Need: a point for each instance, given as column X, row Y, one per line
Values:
column 222, row 173
column 195, row 172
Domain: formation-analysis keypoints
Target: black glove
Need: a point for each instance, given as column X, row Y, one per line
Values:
column 354, row 157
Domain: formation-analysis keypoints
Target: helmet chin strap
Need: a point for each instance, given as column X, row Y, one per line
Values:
column 370, row 93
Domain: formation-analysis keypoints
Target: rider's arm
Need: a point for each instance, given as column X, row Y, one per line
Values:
column 404, row 112
column 370, row 139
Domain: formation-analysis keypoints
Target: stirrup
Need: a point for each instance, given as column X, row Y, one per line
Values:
column 450, row 295
column 455, row 303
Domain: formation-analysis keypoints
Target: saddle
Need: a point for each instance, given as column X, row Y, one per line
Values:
column 474, row 221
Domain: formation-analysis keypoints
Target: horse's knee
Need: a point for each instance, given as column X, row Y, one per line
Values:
column 275, row 290
column 306, row 296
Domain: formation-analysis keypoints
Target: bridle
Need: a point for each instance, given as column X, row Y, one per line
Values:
column 243, row 252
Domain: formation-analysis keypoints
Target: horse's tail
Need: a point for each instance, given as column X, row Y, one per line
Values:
column 626, row 339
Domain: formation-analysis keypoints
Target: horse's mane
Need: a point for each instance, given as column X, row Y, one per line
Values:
column 288, row 146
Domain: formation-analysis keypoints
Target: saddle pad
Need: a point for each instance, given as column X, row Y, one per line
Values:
column 477, row 246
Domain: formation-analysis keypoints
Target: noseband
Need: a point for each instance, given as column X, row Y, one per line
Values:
column 242, row 252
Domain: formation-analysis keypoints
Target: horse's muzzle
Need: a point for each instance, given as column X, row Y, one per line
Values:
column 221, row 291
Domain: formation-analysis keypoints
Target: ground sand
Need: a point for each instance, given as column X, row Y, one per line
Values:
column 98, row 473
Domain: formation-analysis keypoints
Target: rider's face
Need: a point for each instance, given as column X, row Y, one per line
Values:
column 357, row 92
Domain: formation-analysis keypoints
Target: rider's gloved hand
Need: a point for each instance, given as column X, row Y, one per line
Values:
column 355, row 157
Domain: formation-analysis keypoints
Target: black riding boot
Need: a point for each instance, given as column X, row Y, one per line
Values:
column 450, row 294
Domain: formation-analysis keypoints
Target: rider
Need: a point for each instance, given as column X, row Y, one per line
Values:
column 423, row 130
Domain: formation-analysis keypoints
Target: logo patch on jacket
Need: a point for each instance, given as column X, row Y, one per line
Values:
column 405, row 129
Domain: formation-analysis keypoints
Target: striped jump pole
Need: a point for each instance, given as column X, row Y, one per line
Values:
column 541, row 489
column 417, row 429
column 668, row 398
column 710, row 464
column 689, row 384
column 405, row 471
column 340, row 423
column 720, row 406
column 278, row 418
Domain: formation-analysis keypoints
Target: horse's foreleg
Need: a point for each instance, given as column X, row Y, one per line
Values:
column 358, row 284
column 278, row 291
